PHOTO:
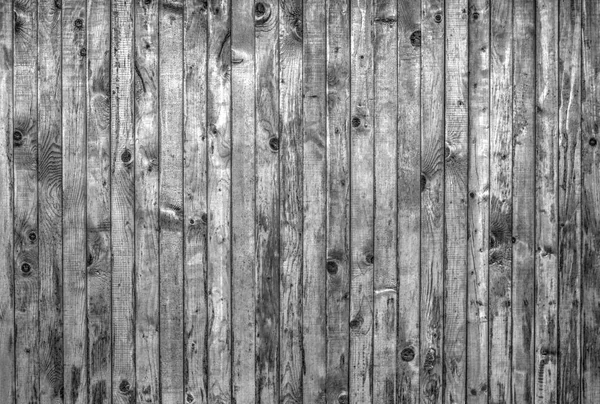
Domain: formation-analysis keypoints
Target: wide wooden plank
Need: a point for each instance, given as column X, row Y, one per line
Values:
column 146, row 160
column 409, row 199
column 122, row 201
column 266, row 53
column 243, row 302
column 219, row 200
column 478, row 210
column 74, row 139
column 361, row 201
column 338, row 199
column 523, row 216
column 99, row 357
column 25, row 198
column 432, row 200
column 195, row 371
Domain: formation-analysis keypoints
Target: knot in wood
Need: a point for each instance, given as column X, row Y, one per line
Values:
column 407, row 354
column 355, row 122
column 274, row 144
column 593, row 141
column 475, row 15
column 32, row 236
column 83, row 52
column 332, row 267
column 126, row 156
column 189, row 398
column 429, row 360
column 26, row 268
column 204, row 218
column 438, row 18
column 124, row 386
column 17, row 136
column 415, row 39
column 370, row 258
column 343, row 398
column 79, row 23
column 423, row 182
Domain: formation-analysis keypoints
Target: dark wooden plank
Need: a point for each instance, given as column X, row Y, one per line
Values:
column 266, row 36
column 194, row 170
column 338, row 199
column 523, row 216
column 25, row 155
column 478, row 210
column 291, row 207
column 243, row 304
column 432, row 200
column 98, row 203
column 219, row 200
column 74, row 101
column 122, row 202
column 569, row 202
column 361, row 201
column 146, row 160
column 409, row 199
column 385, row 125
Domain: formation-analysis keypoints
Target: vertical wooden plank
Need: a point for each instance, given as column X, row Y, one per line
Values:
column 98, row 203
column 291, row 218
column 243, row 206
column 546, row 219
column 51, row 243
column 122, row 202
column 74, row 139
column 523, row 216
column 590, row 203
column 146, row 160
column 170, row 59
column 385, row 124
column 338, row 198
column 569, row 202
column 409, row 199
column 478, row 210
column 194, row 203
column 500, row 202
column 7, row 308
column 432, row 200
column 219, row 200
column 25, row 149
column 455, row 200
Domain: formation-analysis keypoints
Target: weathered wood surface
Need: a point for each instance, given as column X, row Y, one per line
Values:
column 299, row 201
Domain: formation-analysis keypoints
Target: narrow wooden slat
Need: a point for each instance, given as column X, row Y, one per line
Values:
column 361, row 202
column 385, row 123
column 338, row 198
column 266, row 15
column 99, row 356
column 432, row 200
column 51, row 241
column 25, row 196
column 170, row 59
column 146, row 168
column 569, row 202
column 409, row 199
column 523, row 216
column 195, row 372
column 478, row 210
column 243, row 302
column 219, row 200
column 122, row 202
column 74, row 139
column 500, row 201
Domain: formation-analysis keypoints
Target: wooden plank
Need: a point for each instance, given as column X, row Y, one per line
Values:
column 338, row 199
column 569, row 202
column 432, row 200
column 74, row 140
column 195, row 372
column 546, row 219
column 146, row 160
column 500, row 201
column 219, row 200
column 243, row 304
column 291, row 207
column 7, row 307
column 98, row 203
column 523, row 216
column 122, row 202
column 385, row 125
column 25, row 154
column 455, row 200
column 590, row 203
column 266, row 15
column 409, row 199
column 478, row 209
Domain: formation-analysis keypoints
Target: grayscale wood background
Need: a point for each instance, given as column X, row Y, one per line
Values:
column 299, row 201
